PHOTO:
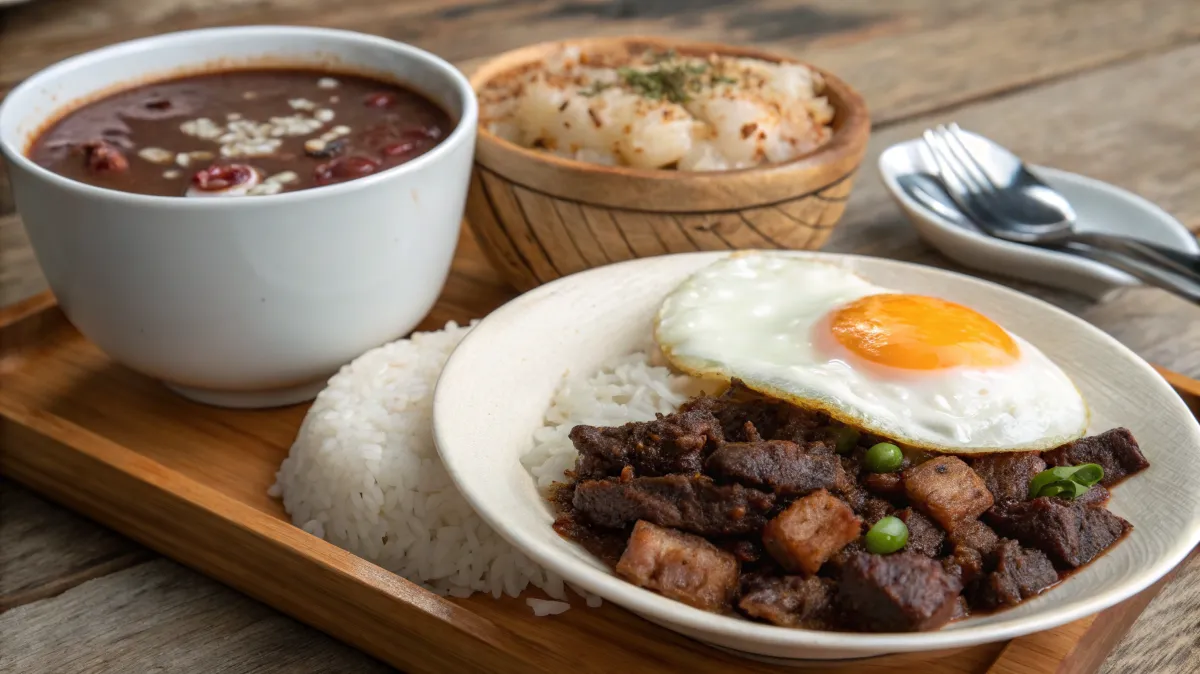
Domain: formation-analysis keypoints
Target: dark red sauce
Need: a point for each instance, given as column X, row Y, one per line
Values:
column 241, row 132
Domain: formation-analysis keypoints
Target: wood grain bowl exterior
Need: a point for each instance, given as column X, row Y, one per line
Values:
column 540, row 217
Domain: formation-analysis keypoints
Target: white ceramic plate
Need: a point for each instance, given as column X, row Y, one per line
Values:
column 496, row 387
column 1101, row 208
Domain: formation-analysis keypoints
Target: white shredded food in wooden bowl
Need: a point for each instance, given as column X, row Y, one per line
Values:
column 661, row 110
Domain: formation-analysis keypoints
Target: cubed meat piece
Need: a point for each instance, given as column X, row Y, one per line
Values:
column 714, row 405
column 807, row 428
column 736, row 407
column 855, row 496
column 901, row 592
column 770, row 419
column 924, row 535
column 1071, row 534
column 975, row 535
column 961, row 609
column 691, row 503
column 679, row 566
column 886, row 485
column 670, row 444
column 1018, row 574
column 607, row 544
column 1098, row 495
column 1116, row 451
column 751, row 433
column 746, row 551
column 874, row 509
column 860, row 499
column 811, row 531
column 788, row 601
column 778, row 465
column 971, row 543
column 852, row 464
column 870, row 508
column 965, row 564
column 842, row 558
column 947, row 490
column 1007, row 475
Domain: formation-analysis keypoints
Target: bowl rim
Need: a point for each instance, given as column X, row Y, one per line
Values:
column 693, row 622
column 463, row 132
column 847, row 139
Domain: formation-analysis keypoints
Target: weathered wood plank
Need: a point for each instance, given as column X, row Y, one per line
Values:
column 907, row 57
column 895, row 54
column 160, row 616
column 1160, row 327
column 20, row 275
column 1165, row 638
column 6, row 197
column 1100, row 124
column 46, row 549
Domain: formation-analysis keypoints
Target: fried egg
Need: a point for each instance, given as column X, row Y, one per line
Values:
column 924, row 371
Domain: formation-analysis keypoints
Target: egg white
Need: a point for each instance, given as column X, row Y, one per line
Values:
column 758, row 317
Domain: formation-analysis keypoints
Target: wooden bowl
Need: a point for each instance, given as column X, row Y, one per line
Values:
column 539, row 216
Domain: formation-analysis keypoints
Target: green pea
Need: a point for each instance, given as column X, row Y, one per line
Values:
column 884, row 458
column 887, row 536
column 846, row 439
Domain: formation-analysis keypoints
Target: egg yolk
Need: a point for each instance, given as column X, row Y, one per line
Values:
column 915, row 332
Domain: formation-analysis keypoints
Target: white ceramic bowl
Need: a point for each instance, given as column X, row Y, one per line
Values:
column 249, row 301
column 497, row 385
column 1100, row 207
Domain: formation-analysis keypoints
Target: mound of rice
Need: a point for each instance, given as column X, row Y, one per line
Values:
column 364, row 473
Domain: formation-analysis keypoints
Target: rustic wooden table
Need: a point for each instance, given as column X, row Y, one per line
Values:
column 1102, row 87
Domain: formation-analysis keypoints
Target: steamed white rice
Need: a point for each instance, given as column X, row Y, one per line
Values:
column 541, row 607
column 364, row 473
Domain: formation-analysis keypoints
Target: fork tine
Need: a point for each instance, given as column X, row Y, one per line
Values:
column 954, row 136
column 965, row 191
column 949, row 165
column 943, row 168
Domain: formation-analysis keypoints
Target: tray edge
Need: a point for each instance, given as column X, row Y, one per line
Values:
column 21, row 322
column 150, row 499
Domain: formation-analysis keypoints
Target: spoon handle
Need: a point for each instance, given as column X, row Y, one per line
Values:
column 1176, row 261
column 1148, row 273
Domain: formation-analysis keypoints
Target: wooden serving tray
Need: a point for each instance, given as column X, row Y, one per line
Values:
column 191, row 482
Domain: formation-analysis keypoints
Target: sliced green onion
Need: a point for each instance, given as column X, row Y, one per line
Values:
column 888, row 535
column 1064, row 488
column 1065, row 481
column 1087, row 474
